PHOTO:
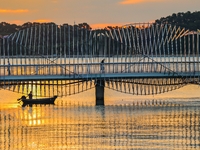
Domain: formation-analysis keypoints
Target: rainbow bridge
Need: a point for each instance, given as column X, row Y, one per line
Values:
column 140, row 59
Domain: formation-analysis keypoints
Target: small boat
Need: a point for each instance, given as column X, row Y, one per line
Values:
column 25, row 101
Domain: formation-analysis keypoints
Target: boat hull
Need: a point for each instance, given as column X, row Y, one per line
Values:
column 50, row 100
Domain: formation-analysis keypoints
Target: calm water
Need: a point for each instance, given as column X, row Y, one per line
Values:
column 166, row 121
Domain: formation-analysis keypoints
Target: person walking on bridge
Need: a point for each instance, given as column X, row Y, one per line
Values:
column 102, row 69
column 8, row 69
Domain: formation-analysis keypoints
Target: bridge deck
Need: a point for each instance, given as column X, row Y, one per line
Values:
column 97, row 76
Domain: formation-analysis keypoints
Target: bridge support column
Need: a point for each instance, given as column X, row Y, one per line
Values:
column 99, row 91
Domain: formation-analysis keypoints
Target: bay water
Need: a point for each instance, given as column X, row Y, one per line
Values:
column 126, row 122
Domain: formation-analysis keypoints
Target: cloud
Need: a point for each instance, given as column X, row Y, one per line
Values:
column 14, row 10
column 126, row 2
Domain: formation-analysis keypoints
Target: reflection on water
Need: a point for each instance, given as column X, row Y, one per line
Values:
column 76, row 126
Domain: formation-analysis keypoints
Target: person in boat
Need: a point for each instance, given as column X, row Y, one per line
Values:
column 30, row 95
column 102, row 66
column 22, row 98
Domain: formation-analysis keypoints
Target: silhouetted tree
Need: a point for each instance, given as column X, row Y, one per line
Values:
column 186, row 20
column 85, row 26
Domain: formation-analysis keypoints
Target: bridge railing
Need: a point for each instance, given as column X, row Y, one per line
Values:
column 96, row 68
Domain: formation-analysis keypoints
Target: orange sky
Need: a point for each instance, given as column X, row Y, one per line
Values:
column 103, row 25
column 96, row 13
column 138, row 1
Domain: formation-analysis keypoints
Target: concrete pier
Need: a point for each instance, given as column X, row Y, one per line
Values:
column 99, row 91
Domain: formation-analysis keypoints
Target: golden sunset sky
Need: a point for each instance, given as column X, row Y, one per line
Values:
column 97, row 13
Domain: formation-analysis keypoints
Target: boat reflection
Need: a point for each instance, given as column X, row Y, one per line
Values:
column 32, row 116
column 31, row 105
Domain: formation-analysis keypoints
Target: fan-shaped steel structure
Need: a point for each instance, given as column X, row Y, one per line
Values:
column 139, row 59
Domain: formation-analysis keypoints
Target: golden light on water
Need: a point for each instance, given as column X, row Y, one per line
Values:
column 110, row 127
column 32, row 117
column 126, row 122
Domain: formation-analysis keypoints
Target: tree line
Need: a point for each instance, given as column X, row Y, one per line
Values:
column 7, row 28
column 186, row 20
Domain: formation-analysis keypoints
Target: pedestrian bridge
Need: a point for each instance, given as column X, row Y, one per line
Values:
column 140, row 58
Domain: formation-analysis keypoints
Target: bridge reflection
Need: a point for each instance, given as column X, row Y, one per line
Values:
column 163, row 126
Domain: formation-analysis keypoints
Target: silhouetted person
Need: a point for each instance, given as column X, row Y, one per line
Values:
column 30, row 95
column 8, row 69
column 102, row 69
